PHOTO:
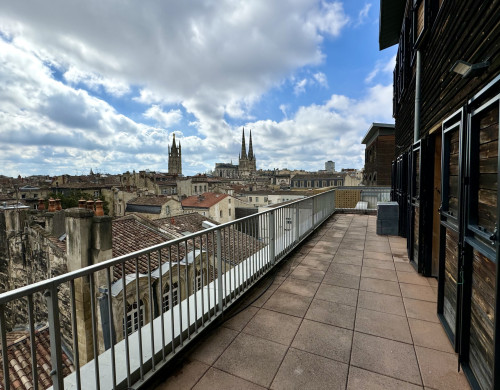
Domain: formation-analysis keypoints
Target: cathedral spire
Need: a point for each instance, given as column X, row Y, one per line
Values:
column 174, row 147
column 250, row 148
column 243, row 154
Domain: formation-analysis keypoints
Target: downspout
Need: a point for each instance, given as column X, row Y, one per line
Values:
column 416, row 130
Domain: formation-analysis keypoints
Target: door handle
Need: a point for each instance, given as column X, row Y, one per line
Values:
column 494, row 237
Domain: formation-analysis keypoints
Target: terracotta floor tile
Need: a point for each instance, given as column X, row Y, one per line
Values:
column 292, row 304
column 270, row 325
column 381, row 302
column 439, row 370
column 185, row 376
column 377, row 273
column 360, row 379
column 386, row 325
column 404, row 267
column 240, row 320
column 430, row 335
column 387, row 357
column 332, row 313
column 324, row 340
column 220, row 380
column 303, row 370
column 252, row 358
column 412, row 278
column 347, row 269
column 350, row 253
column 311, row 262
column 342, row 280
column 299, row 287
column 306, row 273
column 343, row 259
column 377, row 255
column 209, row 350
column 345, row 296
column 381, row 264
column 380, row 286
column 421, row 310
column 415, row 291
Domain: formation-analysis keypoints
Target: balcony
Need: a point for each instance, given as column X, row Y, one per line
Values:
column 295, row 297
column 346, row 310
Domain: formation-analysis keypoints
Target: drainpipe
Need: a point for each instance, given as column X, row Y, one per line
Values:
column 416, row 130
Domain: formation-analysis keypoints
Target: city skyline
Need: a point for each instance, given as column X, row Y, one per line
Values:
column 105, row 87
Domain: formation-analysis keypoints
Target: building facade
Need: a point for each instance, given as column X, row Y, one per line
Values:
column 445, row 168
column 379, row 152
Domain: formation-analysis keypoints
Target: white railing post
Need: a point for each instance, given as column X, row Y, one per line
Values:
column 297, row 222
column 55, row 338
column 271, row 237
column 220, row 274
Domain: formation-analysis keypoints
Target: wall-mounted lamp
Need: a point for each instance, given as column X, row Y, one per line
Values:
column 469, row 70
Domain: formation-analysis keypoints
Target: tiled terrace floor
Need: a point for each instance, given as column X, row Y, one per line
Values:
column 346, row 311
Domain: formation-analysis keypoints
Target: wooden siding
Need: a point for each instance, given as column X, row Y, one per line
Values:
column 464, row 30
column 482, row 320
column 450, row 278
column 486, row 123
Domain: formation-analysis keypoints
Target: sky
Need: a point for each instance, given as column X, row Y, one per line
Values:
column 104, row 85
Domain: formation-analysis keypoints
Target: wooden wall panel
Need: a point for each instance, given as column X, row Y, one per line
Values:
column 450, row 278
column 482, row 320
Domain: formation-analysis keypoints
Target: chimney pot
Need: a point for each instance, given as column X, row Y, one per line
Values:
column 90, row 205
column 82, row 204
column 52, row 205
column 58, row 204
column 99, row 211
column 41, row 204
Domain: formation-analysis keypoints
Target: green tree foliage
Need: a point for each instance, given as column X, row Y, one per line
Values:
column 71, row 200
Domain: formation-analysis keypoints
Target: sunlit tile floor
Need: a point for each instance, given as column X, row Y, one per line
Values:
column 345, row 311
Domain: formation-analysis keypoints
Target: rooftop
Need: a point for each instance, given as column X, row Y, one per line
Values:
column 346, row 310
column 205, row 200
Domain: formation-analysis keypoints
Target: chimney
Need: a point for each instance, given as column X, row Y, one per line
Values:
column 82, row 204
column 78, row 249
column 52, row 205
column 58, row 204
column 99, row 211
column 90, row 205
column 41, row 204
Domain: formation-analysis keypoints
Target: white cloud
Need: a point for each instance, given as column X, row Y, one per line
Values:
column 321, row 79
column 166, row 119
column 329, row 17
column 300, row 87
column 363, row 14
column 381, row 67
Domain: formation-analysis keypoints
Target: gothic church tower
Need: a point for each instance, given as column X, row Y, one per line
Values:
column 175, row 159
column 247, row 163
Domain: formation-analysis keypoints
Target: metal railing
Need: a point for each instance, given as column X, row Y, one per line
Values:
column 123, row 319
column 365, row 199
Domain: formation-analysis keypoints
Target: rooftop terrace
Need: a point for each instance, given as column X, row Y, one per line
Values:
column 345, row 310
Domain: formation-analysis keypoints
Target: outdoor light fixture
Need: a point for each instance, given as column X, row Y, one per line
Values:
column 469, row 70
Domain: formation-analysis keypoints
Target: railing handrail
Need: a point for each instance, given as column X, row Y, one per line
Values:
column 55, row 281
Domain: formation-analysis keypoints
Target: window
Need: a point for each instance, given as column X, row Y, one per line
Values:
column 256, row 199
column 96, row 194
column 229, row 211
column 249, row 198
column 221, row 213
column 23, row 196
column 166, row 296
column 167, row 209
column 265, row 198
column 135, row 317
column 229, row 199
column 35, row 196
column 205, row 188
column 197, row 281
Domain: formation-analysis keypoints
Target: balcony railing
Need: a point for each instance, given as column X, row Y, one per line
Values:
column 123, row 319
column 361, row 199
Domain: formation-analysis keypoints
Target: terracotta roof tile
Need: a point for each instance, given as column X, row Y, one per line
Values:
column 205, row 200
column 19, row 357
